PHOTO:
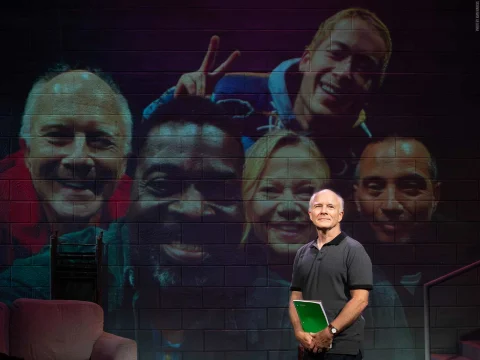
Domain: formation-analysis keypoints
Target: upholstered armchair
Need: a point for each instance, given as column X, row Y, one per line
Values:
column 59, row 330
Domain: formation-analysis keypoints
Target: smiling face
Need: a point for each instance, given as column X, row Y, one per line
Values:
column 180, row 183
column 76, row 150
column 340, row 73
column 395, row 190
column 280, row 204
column 326, row 210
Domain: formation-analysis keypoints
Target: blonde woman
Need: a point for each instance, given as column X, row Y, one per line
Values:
column 282, row 170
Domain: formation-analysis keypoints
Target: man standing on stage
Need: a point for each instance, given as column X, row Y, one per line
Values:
column 334, row 269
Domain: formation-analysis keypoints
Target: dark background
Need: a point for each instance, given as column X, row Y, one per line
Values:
column 431, row 91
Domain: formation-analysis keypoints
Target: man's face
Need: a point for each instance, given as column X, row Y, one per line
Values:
column 326, row 212
column 180, row 190
column 76, row 153
column 339, row 74
column 395, row 191
column 280, row 204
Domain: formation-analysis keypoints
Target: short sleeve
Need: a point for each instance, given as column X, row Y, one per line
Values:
column 360, row 274
column 297, row 283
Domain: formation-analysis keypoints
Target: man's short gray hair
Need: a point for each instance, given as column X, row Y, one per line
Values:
column 26, row 128
column 312, row 198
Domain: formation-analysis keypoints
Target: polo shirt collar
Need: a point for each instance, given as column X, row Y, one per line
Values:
column 336, row 240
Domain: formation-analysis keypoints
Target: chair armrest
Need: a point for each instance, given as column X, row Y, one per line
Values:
column 113, row 347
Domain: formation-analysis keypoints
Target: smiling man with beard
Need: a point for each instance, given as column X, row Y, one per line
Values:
column 70, row 172
column 187, row 190
column 188, row 175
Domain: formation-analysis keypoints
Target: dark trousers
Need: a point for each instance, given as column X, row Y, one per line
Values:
column 326, row 356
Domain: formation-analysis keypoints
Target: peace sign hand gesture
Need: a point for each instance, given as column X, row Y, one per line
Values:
column 202, row 82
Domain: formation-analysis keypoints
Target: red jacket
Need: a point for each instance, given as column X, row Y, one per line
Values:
column 21, row 222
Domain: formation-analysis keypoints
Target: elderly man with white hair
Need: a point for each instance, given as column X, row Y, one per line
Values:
column 335, row 269
column 70, row 171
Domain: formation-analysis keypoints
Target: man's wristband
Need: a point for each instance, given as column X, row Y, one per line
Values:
column 333, row 330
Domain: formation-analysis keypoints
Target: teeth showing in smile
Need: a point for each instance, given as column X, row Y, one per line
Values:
column 75, row 185
column 328, row 89
column 184, row 252
column 287, row 227
column 185, row 247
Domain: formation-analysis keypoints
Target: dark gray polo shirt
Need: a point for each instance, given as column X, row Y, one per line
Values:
column 328, row 275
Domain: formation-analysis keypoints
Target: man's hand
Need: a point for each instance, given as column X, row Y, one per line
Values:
column 203, row 81
column 322, row 340
column 305, row 339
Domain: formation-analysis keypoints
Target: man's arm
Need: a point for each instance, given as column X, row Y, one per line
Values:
column 360, row 281
column 303, row 337
column 200, row 82
column 352, row 309
column 295, row 320
column 350, row 312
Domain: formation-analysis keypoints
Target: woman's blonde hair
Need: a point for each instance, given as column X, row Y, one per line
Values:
column 256, row 160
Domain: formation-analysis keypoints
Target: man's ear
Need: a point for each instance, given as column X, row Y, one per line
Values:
column 130, row 277
column 23, row 145
column 26, row 152
column 436, row 194
column 304, row 64
column 355, row 196
column 124, row 165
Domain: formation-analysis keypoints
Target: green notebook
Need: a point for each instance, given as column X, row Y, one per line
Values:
column 312, row 315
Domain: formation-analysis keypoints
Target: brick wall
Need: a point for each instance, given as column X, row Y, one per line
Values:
column 232, row 304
